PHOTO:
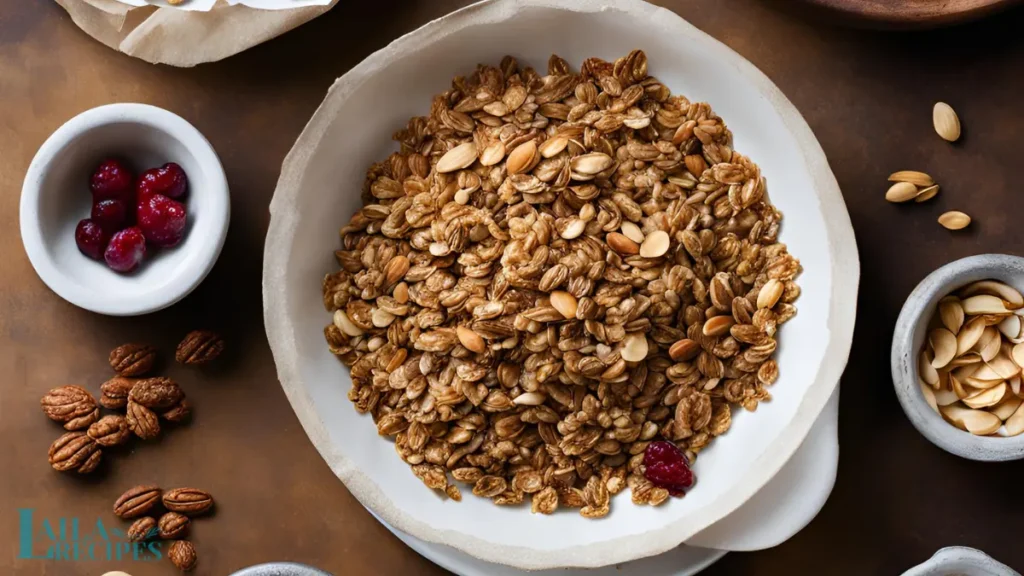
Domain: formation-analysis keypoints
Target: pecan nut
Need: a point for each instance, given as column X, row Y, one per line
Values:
column 156, row 393
column 133, row 359
column 75, row 452
column 173, row 525
column 110, row 430
column 136, row 501
column 188, row 501
column 179, row 413
column 72, row 406
column 199, row 347
column 142, row 529
column 142, row 421
column 115, row 392
column 183, row 555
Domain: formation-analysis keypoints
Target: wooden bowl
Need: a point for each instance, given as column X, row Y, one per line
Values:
column 913, row 13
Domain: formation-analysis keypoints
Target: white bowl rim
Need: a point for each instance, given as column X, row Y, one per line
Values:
column 842, row 305
column 206, row 253
column 903, row 360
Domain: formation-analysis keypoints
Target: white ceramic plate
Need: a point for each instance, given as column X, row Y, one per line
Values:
column 317, row 192
column 781, row 509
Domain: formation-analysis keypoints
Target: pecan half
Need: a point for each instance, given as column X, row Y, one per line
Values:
column 110, row 430
column 188, row 501
column 183, row 555
column 72, row 406
column 136, row 501
column 173, row 525
column 200, row 347
column 75, row 452
column 156, row 393
column 133, row 359
column 142, row 529
column 142, row 421
column 115, row 392
column 179, row 413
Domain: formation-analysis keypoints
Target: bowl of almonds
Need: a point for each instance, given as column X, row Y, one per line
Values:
column 957, row 354
column 556, row 283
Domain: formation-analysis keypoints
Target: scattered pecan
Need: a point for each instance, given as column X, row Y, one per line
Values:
column 133, row 359
column 173, row 525
column 142, row 421
column 188, row 501
column 179, row 413
column 136, row 501
column 72, row 406
column 199, row 347
column 115, row 392
column 142, row 529
column 110, row 430
column 75, row 452
column 183, row 555
column 156, row 393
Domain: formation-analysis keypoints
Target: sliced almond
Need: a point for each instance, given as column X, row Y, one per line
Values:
column 966, row 359
column 928, row 372
column 989, row 344
column 1011, row 297
column 926, row 194
column 656, row 245
column 976, row 422
column 521, row 158
column 718, row 325
column 943, row 344
column 954, row 220
column 945, row 397
column 983, row 304
column 634, row 347
column 553, row 146
column 1017, row 355
column 342, row 321
column 565, row 303
column 946, row 122
column 1010, row 326
column 929, row 397
column 1003, row 366
column 470, row 339
column 1015, row 385
column 1015, row 423
column 621, row 244
column 913, row 176
column 969, row 336
column 952, row 315
column 1007, row 407
column 493, row 154
column 632, row 231
column 769, row 294
column 462, row 156
column 901, row 192
column 956, row 387
column 986, row 398
column 591, row 164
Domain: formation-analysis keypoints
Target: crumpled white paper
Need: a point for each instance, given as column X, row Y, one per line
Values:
column 207, row 5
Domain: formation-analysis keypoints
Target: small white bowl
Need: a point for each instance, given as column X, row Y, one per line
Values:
column 963, row 561
column 908, row 339
column 55, row 196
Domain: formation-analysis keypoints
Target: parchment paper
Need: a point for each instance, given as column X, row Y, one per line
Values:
column 181, row 37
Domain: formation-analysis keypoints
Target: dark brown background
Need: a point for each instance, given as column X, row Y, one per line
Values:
column 867, row 96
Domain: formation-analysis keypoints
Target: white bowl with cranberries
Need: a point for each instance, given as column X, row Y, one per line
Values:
column 124, row 209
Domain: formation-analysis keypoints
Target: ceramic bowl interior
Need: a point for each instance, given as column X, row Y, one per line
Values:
column 908, row 341
column 56, row 196
column 320, row 189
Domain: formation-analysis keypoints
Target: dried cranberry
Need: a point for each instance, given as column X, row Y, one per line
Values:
column 169, row 180
column 666, row 466
column 162, row 220
column 126, row 250
column 110, row 214
column 112, row 179
column 91, row 238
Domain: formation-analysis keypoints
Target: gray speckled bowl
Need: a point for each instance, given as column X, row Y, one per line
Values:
column 280, row 569
column 909, row 337
column 961, row 560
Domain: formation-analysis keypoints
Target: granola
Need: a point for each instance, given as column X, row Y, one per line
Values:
column 554, row 271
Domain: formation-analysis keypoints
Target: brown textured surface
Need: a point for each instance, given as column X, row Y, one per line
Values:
column 913, row 13
column 866, row 95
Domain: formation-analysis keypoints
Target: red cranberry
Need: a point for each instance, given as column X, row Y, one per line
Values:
column 110, row 214
column 112, row 179
column 665, row 466
column 91, row 238
column 162, row 220
column 169, row 180
column 126, row 250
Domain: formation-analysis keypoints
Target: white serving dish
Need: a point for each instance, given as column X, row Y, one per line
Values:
column 781, row 509
column 55, row 196
column 317, row 193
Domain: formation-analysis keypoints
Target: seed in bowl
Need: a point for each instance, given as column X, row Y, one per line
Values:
column 970, row 366
column 558, row 282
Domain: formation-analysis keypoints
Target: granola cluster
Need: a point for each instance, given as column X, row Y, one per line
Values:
column 552, row 272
